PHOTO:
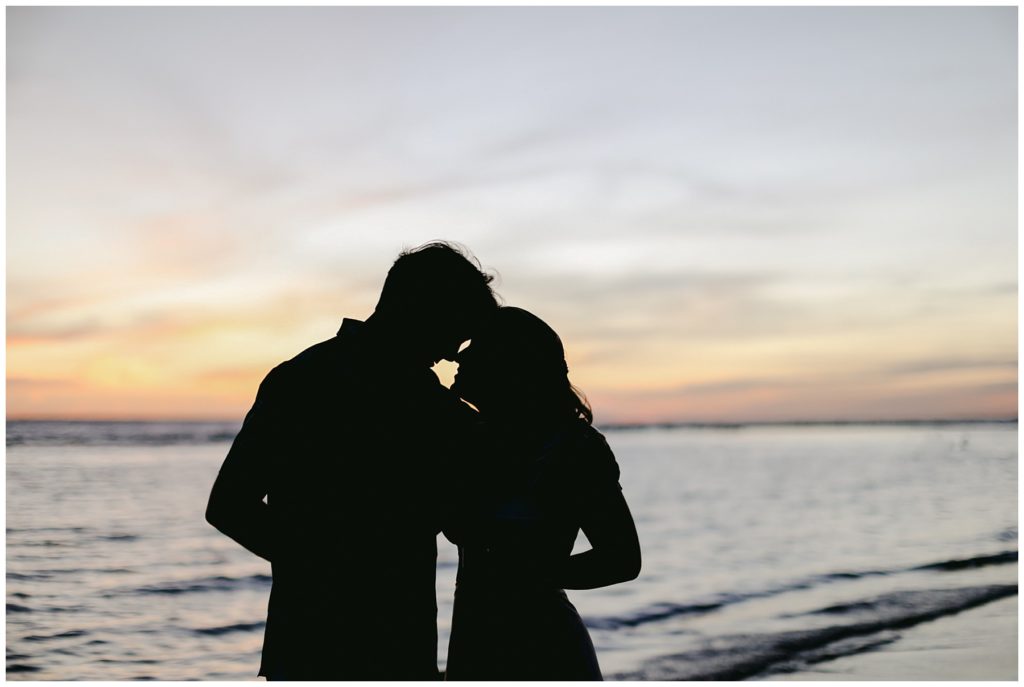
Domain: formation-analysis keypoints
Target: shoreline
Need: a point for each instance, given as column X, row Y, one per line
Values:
column 978, row 643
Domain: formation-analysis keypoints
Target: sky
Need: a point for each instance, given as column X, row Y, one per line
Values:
column 728, row 214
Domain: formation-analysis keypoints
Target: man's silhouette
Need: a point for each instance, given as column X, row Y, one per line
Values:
column 346, row 442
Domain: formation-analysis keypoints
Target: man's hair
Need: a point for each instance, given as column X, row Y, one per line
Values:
column 440, row 275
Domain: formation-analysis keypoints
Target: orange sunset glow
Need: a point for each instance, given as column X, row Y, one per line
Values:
column 728, row 214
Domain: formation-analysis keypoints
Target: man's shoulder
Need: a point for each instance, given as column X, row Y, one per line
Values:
column 316, row 354
column 345, row 346
column 310, row 363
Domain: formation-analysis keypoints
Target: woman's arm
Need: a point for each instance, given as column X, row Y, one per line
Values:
column 615, row 548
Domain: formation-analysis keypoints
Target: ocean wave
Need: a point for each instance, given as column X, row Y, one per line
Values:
column 28, row 576
column 653, row 613
column 119, row 537
column 49, row 573
column 736, row 657
column 666, row 610
column 894, row 605
column 47, row 544
column 203, row 584
column 976, row 562
column 37, row 530
column 1008, row 534
column 225, row 629
column 60, row 635
column 22, row 668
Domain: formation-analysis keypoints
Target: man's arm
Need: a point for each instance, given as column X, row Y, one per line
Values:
column 236, row 505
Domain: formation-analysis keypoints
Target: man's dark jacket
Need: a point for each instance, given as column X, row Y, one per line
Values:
column 348, row 447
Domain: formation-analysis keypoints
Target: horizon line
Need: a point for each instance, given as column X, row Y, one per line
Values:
column 658, row 424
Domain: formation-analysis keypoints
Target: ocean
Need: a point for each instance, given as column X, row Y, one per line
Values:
column 769, row 551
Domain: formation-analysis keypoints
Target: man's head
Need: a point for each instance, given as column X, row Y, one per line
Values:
column 433, row 297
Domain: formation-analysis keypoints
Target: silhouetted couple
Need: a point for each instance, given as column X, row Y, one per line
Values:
column 354, row 456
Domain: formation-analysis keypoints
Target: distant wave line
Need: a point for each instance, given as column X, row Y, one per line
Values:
column 937, row 422
column 172, row 433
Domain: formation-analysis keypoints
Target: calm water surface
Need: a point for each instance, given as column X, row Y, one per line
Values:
column 765, row 549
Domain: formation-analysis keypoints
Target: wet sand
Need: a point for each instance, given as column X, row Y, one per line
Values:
column 976, row 644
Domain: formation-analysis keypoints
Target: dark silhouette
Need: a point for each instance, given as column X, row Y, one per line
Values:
column 535, row 473
column 346, row 441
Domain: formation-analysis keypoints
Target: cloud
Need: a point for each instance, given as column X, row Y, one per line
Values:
column 55, row 334
column 717, row 208
column 30, row 384
column 762, row 400
column 949, row 364
column 731, row 386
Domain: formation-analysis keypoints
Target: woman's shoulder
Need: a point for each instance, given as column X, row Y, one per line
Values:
column 585, row 437
column 589, row 434
column 590, row 453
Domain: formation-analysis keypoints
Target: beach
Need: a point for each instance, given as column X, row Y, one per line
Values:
column 777, row 553
column 978, row 644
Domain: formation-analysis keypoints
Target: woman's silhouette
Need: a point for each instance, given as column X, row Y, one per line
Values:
column 536, row 473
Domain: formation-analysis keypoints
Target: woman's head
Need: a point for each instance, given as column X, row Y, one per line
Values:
column 515, row 366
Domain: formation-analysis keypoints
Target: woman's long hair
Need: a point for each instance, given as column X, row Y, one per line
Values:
column 536, row 367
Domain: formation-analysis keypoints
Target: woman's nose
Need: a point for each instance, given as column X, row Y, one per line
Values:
column 450, row 353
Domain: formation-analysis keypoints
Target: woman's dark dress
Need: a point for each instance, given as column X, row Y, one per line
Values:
column 519, row 508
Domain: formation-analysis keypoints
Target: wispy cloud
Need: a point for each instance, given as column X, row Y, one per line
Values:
column 951, row 364
column 725, row 212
